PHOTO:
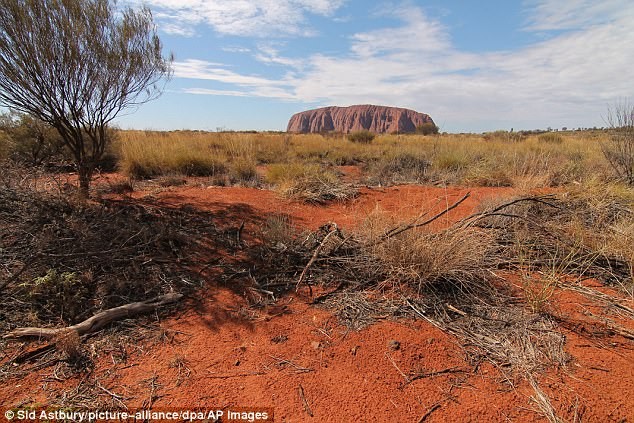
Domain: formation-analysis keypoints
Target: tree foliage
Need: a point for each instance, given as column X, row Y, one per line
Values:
column 76, row 65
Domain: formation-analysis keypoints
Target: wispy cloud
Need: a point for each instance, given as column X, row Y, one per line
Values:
column 573, row 73
column 248, row 85
column 236, row 49
column 268, row 53
column 254, row 18
column 545, row 15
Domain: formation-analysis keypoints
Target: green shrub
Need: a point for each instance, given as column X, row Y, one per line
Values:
column 6, row 146
column 427, row 128
column 451, row 160
column 364, row 136
column 64, row 292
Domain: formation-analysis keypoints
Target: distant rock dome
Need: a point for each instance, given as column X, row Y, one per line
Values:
column 377, row 119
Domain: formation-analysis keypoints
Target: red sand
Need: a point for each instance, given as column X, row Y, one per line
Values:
column 262, row 360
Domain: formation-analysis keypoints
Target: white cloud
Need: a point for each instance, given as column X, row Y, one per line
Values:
column 254, row 18
column 249, row 85
column 268, row 53
column 547, row 15
column 565, row 80
column 176, row 29
column 236, row 49
column 417, row 34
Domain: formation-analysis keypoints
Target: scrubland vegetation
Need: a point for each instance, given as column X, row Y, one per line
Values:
column 570, row 219
column 498, row 159
column 305, row 167
column 72, row 264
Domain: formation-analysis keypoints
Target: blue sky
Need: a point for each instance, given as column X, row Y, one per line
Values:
column 472, row 65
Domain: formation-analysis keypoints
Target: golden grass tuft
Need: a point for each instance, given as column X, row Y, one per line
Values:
column 309, row 182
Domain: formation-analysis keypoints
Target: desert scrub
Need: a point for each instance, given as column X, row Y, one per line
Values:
column 58, row 294
column 272, row 149
column 451, row 160
column 311, row 183
column 146, row 157
column 489, row 159
column 427, row 128
column 363, row 137
column 421, row 257
column 550, row 137
column 243, row 171
column 278, row 231
column 504, row 136
column 618, row 149
column 393, row 167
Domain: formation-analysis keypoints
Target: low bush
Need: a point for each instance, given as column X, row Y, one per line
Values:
column 505, row 136
column 419, row 256
column 405, row 166
column 310, row 183
column 243, row 171
column 618, row 149
column 363, row 137
column 30, row 140
column 151, row 157
column 427, row 128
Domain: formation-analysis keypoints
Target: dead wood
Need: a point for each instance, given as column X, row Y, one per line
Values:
column 400, row 229
column 497, row 211
column 304, row 401
column 99, row 320
column 412, row 378
column 333, row 229
column 428, row 413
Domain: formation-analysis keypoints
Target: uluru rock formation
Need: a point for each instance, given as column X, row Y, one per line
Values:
column 377, row 119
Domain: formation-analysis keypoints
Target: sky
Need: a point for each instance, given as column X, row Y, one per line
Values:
column 473, row 66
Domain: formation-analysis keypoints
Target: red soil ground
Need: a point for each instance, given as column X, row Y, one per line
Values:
column 233, row 357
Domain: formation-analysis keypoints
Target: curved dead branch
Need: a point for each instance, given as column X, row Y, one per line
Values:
column 99, row 320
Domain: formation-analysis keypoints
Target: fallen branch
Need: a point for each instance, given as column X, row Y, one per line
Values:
column 307, row 408
column 476, row 217
column 411, row 379
column 99, row 320
column 333, row 230
column 400, row 229
column 428, row 413
column 235, row 375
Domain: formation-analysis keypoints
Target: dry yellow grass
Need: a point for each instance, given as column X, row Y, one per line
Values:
column 471, row 159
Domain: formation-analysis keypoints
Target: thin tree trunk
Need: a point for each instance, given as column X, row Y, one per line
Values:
column 85, row 176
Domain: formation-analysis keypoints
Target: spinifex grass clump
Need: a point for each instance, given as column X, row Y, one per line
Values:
column 310, row 183
column 363, row 137
column 145, row 157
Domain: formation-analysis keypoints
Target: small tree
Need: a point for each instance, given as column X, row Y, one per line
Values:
column 427, row 128
column 619, row 148
column 76, row 64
